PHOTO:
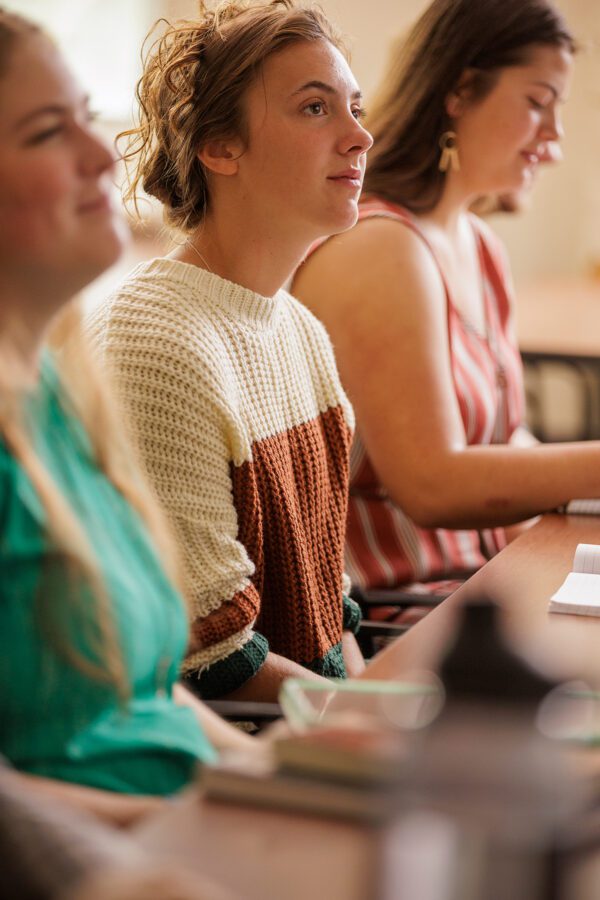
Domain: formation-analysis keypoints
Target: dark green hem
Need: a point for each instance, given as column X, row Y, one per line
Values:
column 229, row 674
column 352, row 615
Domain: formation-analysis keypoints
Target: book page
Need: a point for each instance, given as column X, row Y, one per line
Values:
column 580, row 589
column 587, row 559
column 584, row 507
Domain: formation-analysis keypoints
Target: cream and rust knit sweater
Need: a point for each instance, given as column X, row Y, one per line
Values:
column 243, row 427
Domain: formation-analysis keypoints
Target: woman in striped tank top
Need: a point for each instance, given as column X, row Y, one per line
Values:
column 417, row 297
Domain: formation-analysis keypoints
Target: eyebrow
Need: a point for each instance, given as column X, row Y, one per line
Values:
column 323, row 86
column 546, row 84
column 52, row 109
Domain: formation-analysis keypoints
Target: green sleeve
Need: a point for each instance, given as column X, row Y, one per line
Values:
column 352, row 615
column 226, row 675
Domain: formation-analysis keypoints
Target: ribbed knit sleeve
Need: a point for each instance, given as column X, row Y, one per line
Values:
column 180, row 423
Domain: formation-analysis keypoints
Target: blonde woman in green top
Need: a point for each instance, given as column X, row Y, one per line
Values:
column 91, row 630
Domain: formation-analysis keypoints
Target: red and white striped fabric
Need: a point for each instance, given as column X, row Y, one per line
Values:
column 384, row 548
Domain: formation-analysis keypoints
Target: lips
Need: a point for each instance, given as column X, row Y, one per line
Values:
column 348, row 176
column 531, row 158
column 100, row 203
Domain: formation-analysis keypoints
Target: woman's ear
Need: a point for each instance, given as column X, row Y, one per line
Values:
column 221, row 157
column 458, row 98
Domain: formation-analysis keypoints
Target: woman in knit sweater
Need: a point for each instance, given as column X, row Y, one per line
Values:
column 249, row 134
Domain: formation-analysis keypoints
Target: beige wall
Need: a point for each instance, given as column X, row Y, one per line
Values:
column 368, row 24
column 560, row 233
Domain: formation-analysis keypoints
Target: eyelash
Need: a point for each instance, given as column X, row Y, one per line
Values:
column 358, row 113
column 45, row 135
column 309, row 107
column 537, row 106
column 90, row 117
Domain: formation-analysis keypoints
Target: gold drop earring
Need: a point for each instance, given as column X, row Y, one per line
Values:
column 449, row 158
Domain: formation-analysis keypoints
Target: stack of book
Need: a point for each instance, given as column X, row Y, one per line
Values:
column 342, row 773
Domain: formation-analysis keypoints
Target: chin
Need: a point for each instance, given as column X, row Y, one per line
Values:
column 92, row 266
column 526, row 179
column 109, row 247
column 344, row 221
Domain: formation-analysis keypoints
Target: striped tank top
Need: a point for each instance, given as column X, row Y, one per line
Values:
column 384, row 548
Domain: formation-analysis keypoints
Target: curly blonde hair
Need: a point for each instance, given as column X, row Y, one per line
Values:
column 192, row 90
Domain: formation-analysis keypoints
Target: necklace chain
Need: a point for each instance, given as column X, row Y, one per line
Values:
column 199, row 255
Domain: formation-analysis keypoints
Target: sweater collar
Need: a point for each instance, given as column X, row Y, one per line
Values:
column 234, row 300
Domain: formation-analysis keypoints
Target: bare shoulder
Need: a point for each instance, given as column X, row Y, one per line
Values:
column 381, row 259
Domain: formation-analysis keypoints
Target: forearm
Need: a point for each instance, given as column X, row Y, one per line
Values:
column 122, row 810
column 265, row 685
column 220, row 733
column 353, row 658
column 253, row 672
column 476, row 487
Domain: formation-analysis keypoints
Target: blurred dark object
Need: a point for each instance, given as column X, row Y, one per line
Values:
column 480, row 667
column 493, row 799
column 388, row 612
column 47, row 848
column 580, row 390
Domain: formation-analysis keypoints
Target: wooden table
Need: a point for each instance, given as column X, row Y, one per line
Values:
column 521, row 579
column 267, row 855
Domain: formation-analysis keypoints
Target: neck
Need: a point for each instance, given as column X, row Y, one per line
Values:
column 452, row 206
column 24, row 325
column 255, row 255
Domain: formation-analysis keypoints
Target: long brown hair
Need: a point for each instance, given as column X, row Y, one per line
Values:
column 409, row 115
column 191, row 92
column 88, row 396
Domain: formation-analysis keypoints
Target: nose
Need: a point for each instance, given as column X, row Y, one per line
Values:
column 552, row 128
column 96, row 155
column 356, row 139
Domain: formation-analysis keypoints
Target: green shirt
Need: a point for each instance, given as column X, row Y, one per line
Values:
column 55, row 720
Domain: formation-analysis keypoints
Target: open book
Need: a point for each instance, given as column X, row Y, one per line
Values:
column 580, row 592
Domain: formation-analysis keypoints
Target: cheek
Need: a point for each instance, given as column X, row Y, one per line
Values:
column 34, row 204
column 285, row 157
column 515, row 124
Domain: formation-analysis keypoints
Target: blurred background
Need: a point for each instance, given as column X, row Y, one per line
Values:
column 554, row 244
